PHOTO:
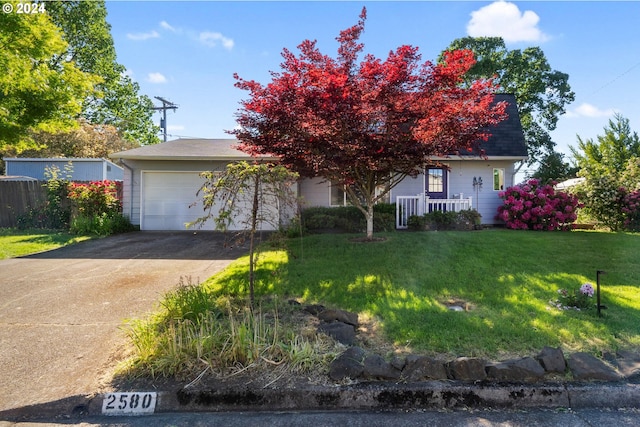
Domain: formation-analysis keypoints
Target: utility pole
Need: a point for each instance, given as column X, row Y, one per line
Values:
column 166, row 105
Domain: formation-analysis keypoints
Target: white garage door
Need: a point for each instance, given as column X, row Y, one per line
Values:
column 169, row 200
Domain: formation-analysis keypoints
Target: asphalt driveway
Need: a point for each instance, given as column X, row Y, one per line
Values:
column 61, row 311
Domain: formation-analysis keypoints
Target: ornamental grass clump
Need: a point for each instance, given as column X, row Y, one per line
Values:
column 532, row 206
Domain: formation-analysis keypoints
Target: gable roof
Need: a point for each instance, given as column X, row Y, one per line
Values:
column 507, row 138
column 187, row 149
column 506, row 142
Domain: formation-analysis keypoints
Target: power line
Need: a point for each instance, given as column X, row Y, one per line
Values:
column 616, row 78
column 166, row 105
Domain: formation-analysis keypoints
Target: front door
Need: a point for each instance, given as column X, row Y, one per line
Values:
column 436, row 182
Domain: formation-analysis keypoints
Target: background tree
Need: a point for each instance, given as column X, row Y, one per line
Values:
column 611, row 168
column 90, row 46
column 365, row 125
column 541, row 92
column 610, row 154
column 35, row 93
column 245, row 194
column 88, row 140
column 553, row 167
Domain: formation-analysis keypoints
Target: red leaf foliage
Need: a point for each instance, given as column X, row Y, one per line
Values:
column 345, row 120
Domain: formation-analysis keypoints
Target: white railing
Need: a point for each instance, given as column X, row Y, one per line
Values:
column 407, row 206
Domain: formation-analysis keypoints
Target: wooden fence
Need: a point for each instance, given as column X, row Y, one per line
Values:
column 17, row 198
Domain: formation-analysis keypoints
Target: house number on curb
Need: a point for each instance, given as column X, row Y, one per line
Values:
column 136, row 403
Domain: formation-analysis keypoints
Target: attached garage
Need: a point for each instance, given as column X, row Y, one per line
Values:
column 169, row 200
column 161, row 181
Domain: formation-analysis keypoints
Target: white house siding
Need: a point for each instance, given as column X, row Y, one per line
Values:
column 485, row 200
column 408, row 187
column 314, row 192
column 460, row 182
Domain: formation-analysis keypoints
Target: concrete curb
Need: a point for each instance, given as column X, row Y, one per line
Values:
column 391, row 396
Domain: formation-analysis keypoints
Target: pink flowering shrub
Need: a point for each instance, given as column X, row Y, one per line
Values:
column 532, row 206
column 630, row 209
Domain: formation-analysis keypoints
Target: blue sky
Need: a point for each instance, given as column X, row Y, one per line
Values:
column 187, row 52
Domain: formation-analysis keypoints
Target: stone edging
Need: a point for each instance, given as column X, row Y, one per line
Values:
column 357, row 364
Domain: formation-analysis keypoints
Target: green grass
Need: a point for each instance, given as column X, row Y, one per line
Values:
column 507, row 277
column 15, row 243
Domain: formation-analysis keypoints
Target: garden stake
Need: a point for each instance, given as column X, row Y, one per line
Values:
column 600, row 307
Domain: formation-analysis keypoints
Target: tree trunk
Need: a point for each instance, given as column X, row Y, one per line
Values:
column 369, row 217
column 254, row 226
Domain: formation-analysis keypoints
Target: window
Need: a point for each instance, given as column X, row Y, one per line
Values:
column 435, row 180
column 498, row 179
column 338, row 195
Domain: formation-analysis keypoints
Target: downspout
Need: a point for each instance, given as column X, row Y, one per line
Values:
column 130, row 188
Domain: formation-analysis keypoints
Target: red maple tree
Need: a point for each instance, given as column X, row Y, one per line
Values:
column 365, row 125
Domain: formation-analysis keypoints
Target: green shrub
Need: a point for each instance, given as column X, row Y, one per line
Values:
column 438, row 220
column 348, row 218
column 55, row 212
column 102, row 225
column 469, row 219
column 417, row 223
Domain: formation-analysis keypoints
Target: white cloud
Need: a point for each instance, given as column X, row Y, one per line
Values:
column 504, row 19
column 128, row 73
column 214, row 39
column 591, row 111
column 166, row 26
column 156, row 78
column 143, row 36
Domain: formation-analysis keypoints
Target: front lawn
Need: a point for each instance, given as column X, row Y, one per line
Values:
column 504, row 279
column 15, row 243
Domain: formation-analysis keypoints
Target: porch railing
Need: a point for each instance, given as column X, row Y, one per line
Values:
column 420, row 204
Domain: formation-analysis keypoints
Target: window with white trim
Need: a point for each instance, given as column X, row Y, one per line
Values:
column 498, row 179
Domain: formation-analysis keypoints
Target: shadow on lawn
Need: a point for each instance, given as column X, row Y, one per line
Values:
column 511, row 300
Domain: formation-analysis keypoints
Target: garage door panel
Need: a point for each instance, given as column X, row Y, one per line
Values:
column 169, row 201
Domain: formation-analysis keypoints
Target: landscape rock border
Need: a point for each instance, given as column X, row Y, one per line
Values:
column 357, row 364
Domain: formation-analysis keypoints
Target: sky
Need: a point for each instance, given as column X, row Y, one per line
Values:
column 188, row 51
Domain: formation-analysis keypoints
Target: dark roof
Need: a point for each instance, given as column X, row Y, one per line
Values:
column 507, row 138
column 506, row 141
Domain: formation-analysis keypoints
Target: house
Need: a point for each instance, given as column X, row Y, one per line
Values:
column 82, row 169
column 161, row 181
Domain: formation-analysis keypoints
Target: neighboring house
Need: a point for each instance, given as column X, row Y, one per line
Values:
column 161, row 181
column 83, row 169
